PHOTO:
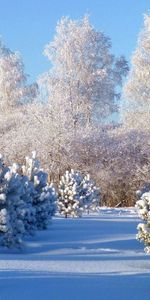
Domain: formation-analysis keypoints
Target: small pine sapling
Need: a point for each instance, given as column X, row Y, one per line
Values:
column 90, row 194
column 77, row 193
column 143, row 206
column 69, row 201
column 11, row 189
column 44, row 194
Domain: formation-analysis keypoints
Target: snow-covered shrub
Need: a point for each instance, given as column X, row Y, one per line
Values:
column 44, row 194
column 143, row 205
column 77, row 193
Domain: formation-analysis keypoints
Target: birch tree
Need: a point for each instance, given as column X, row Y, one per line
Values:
column 136, row 109
column 15, row 94
column 84, row 78
column 14, row 89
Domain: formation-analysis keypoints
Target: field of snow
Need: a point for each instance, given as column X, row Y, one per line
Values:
column 92, row 258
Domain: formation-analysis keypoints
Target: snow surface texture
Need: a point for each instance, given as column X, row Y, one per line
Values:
column 95, row 257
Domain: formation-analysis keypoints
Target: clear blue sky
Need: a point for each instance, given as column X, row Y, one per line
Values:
column 27, row 25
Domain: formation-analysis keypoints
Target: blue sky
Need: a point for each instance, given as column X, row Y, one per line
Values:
column 27, row 25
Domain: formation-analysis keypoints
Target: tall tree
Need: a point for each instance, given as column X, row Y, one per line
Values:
column 84, row 76
column 137, row 88
column 15, row 94
column 14, row 89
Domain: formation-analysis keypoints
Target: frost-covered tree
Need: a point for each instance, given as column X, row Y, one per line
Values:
column 137, row 87
column 84, row 76
column 77, row 193
column 80, row 87
column 14, row 89
column 136, row 107
column 15, row 94
column 143, row 205
column 44, row 194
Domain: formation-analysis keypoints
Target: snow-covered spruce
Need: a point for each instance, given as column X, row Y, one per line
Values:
column 27, row 201
column 143, row 205
column 69, row 203
column 11, row 204
column 89, row 194
column 77, row 193
column 44, row 194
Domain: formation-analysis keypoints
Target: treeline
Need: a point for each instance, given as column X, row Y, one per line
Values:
column 74, row 116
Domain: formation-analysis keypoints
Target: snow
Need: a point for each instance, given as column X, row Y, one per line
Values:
column 93, row 257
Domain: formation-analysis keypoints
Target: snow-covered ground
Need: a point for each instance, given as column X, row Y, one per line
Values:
column 92, row 258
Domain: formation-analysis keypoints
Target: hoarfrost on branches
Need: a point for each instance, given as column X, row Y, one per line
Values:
column 135, row 110
column 14, row 90
column 84, row 77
